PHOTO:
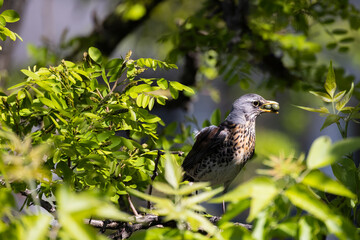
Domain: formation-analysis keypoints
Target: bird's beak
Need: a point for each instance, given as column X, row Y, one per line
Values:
column 270, row 106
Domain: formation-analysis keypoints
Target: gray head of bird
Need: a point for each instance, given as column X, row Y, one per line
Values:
column 249, row 106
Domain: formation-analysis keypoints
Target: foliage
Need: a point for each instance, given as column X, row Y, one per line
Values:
column 8, row 16
column 91, row 136
column 338, row 112
column 79, row 139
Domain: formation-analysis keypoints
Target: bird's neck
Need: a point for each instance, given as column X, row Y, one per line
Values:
column 237, row 117
column 250, row 124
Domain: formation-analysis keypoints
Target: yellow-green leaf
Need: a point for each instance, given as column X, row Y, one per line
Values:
column 319, row 180
column 330, row 84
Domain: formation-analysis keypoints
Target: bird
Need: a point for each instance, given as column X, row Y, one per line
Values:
column 220, row 152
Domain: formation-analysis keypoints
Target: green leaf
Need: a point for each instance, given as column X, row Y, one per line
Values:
column 341, row 104
column 139, row 100
column 47, row 102
column 2, row 21
column 216, row 117
column 135, row 12
column 151, row 103
column 262, row 194
column 318, row 152
column 338, row 96
column 322, row 153
column 147, row 197
column 233, row 210
column 190, row 188
column 127, row 143
column 162, row 83
column 91, row 115
column 172, row 172
column 320, row 181
column 95, row 54
column 114, row 63
column 347, row 173
column 30, row 74
column 243, row 191
column 181, row 87
column 1, row 3
column 10, row 16
column 323, row 96
column 145, row 101
column 259, row 232
column 330, row 119
column 165, row 188
column 318, row 110
column 174, row 93
column 344, row 147
column 35, row 227
column 18, row 85
column 330, row 84
column 74, row 208
column 301, row 197
column 140, row 88
column 306, row 228
column 201, row 197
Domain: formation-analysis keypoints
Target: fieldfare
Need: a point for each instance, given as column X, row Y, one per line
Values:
column 220, row 152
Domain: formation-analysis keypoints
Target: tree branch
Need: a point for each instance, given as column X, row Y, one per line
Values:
column 43, row 203
column 143, row 222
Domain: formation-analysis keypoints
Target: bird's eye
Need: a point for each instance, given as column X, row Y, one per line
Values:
column 256, row 103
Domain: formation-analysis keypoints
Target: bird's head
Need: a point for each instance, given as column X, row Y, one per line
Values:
column 249, row 106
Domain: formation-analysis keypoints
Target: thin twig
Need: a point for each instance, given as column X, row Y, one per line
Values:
column 132, row 207
column 43, row 203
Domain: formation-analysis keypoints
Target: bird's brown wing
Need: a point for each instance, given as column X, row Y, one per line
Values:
column 207, row 142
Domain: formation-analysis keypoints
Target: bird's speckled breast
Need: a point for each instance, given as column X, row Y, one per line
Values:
column 225, row 164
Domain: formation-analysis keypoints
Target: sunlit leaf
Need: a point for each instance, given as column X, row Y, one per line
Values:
column 162, row 83
column 174, row 93
column 135, row 12
column 201, row 197
column 95, row 54
column 319, row 180
column 10, row 15
column 191, row 188
column 30, row 74
column 172, row 172
column 35, row 227
column 345, row 146
column 301, row 197
column 330, row 84
column 151, row 103
column 318, row 110
column 339, row 95
column 262, row 194
column 341, row 104
column 323, row 96
column 318, row 152
column 234, row 209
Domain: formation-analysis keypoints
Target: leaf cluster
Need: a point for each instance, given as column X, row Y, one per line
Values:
column 86, row 126
column 8, row 16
